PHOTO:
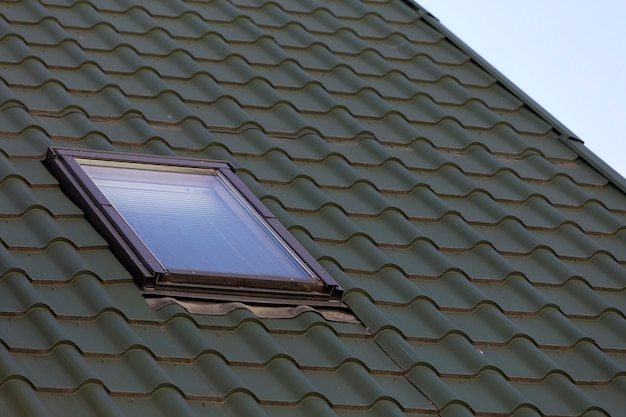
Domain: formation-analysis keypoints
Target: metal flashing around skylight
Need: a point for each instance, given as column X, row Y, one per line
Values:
column 190, row 228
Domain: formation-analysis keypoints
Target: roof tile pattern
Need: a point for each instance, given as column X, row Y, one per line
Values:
column 484, row 258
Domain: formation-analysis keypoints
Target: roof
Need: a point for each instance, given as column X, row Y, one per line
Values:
column 480, row 246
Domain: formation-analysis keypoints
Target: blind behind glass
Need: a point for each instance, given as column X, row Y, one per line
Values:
column 194, row 222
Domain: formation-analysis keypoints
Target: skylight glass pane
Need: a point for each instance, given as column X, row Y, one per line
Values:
column 195, row 222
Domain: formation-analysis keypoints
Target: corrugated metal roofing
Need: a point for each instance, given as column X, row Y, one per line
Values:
column 478, row 244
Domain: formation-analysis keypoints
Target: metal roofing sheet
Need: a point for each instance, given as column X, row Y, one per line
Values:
column 483, row 256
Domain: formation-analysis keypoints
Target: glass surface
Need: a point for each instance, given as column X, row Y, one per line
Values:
column 195, row 222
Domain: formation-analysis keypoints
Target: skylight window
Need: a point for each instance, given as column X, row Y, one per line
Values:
column 189, row 227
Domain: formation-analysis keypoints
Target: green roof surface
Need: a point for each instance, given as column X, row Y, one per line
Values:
column 481, row 247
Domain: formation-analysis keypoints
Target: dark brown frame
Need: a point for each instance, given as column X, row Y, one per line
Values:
column 148, row 272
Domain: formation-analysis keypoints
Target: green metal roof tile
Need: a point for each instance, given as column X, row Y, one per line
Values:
column 37, row 229
column 320, row 348
column 432, row 207
column 87, row 297
column 478, row 208
column 309, row 146
column 302, row 194
column 30, row 12
column 581, row 174
column 133, row 130
column 122, row 59
column 557, row 395
column 516, row 294
column 450, row 181
column 287, row 74
column 586, row 362
column 443, row 52
column 609, row 397
column 67, row 54
column 419, row 320
column 607, row 331
column 71, row 125
column 51, row 97
column 550, row 328
column 383, row 408
column 62, row 369
column 45, row 265
column 145, row 83
column 14, row 49
column 263, row 52
column 157, row 42
column 30, row 72
column 282, row 119
column 453, row 356
column 612, row 244
column 78, row 15
column 453, row 291
column 359, row 254
column 488, row 393
column 249, row 343
column 155, row 8
column 306, row 320
column 19, row 398
column 110, row 335
column 510, row 237
column 365, row 151
column 402, row 93
column 614, row 298
column 520, row 359
column 543, row 267
column 486, row 324
column 345, row 11
column 495, row 96
column 29, row 170
column 241, row 29
column 373, row 72
column 129, row 19
column 224, row 380
column 292, row 35
column 577, row 299
column 137, row 372
column 459, row 410
column 372, row 388
column 469, row 74
column 391, row 228
column 482, row 263
column 448, row 91
column 389, row 285
column 570, row 242
column 102, row 37
column 317, row 60
column 593, row 217
column 392, row 129
column 165, row 402
column 260, row 94
column 374, row 26
column 35, row 331
column 392, row 11
column 15, row 119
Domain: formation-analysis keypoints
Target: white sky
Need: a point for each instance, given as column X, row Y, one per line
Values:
column 568, row 55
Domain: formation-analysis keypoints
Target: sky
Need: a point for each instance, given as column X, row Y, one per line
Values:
column 568, row 55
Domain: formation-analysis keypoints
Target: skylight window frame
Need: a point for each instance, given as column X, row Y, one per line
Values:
column 148, row 271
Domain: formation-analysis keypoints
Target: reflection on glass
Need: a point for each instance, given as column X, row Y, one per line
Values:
column 195, row 222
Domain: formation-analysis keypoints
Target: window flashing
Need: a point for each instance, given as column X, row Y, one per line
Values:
column 307, row 283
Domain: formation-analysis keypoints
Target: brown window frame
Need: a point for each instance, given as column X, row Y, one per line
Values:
column 146, row 269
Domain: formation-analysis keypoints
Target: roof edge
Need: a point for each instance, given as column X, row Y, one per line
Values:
column 491, row 70
column 596, row 162
column 571, row 140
